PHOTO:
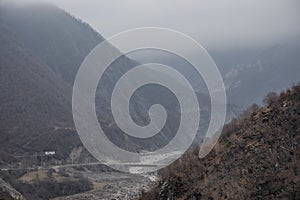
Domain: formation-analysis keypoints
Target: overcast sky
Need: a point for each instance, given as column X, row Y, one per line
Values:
column 213, row 23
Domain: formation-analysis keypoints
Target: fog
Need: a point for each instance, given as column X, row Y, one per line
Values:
column 215, row 24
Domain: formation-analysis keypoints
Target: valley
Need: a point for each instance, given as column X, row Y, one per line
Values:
column 42, row 156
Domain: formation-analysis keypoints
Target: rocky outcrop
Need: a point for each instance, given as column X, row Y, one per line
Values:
column 7, row 192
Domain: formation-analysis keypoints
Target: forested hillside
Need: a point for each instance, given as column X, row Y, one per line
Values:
column 257, row 157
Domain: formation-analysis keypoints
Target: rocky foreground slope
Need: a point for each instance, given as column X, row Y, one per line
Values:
column 7, row 192
column 257, row 157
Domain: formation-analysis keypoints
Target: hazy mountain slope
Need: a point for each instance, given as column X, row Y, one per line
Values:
column 57, row 38
column 257, row 157
column 62, row 42
column 273, row 69
column 35, row 103
column 42, row 48
column 53, row 44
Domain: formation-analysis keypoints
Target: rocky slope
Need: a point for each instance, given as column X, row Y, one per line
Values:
column 9, row 193
column 257, row 157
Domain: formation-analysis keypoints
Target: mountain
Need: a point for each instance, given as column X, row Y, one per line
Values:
column 58, row 39
column 43, row 47
column 59, row 42
column 248, row 72
column 248, row 81
column 41, row 50
column 35, row 103
column 257, row 157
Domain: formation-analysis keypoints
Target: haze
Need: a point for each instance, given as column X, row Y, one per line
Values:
column 215, row 24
